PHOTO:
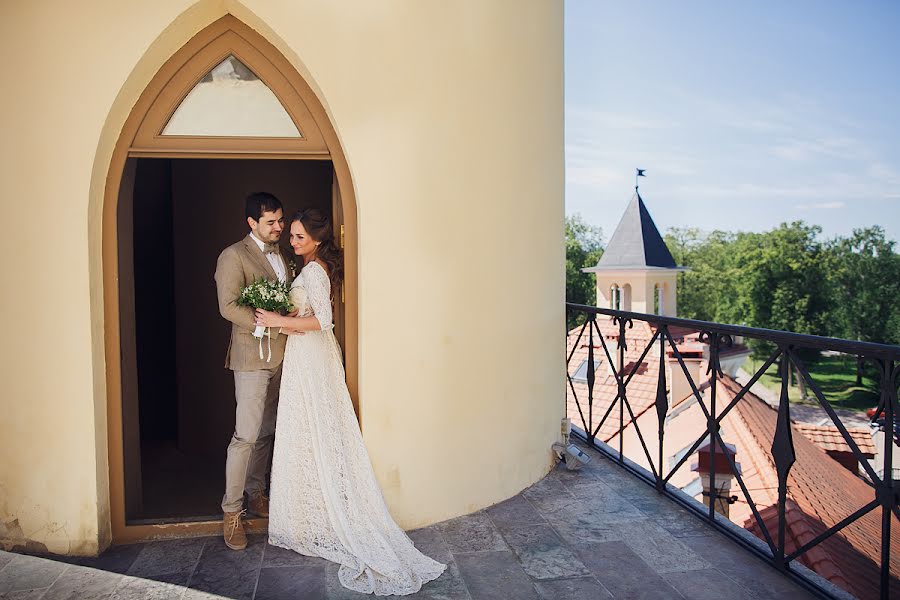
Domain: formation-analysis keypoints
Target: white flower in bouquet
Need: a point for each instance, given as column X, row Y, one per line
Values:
column 274, row 296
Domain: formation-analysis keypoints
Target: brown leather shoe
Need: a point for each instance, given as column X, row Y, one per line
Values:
column 233, row 530
column 259, row 505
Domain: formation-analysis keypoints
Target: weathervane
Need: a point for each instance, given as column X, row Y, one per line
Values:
column 640, row 173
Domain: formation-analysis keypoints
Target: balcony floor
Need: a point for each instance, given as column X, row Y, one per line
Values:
column 590, row 534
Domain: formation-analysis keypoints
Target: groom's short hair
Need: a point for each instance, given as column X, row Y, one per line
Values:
column 261, row 202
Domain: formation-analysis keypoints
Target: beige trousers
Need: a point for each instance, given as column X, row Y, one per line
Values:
column 251, row 444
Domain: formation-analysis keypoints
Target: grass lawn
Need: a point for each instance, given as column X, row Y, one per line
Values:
column 835, row 376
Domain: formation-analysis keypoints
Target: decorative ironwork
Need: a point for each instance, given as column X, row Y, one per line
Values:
column 662, row 404
column 719, row 338
column 715, row 342
column 783, row 453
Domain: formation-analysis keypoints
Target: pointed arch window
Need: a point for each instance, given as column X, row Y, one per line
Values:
column 231, row 101
column 221, row 94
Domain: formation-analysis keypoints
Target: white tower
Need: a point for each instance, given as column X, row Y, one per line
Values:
column 637, row 272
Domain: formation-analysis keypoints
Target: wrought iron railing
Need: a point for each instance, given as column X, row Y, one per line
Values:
column 604, row 334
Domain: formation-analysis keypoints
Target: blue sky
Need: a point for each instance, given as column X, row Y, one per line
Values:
column 744, row 114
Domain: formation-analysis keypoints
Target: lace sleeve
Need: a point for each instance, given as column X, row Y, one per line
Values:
column 318, row 289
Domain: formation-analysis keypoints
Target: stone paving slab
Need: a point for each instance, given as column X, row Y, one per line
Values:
column 495, row 576
column 23, row 595
column 23, row 573
column 301, row 583
column 623, row 573
column 169, row 556
column 707, row 584
column 136, row 588
column 224, row 572
column 117, row 559
column 542, row 553
column 745, row 568
column 472, row 533
column 514, row 512
column 660, row 549
column 83, row 584
column 572, row 587
column 590, row 534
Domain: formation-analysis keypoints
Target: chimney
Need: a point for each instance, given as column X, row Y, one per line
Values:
column 722, row 495
column 878, row 437
column 679, row 388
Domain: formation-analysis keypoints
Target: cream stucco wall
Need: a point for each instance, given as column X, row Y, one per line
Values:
column 450, row 115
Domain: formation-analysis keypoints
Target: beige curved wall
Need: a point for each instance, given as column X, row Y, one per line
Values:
column 450, row 115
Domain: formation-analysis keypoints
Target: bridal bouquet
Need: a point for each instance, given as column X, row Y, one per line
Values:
column 274, row 296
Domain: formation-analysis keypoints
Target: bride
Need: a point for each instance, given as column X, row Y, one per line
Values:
column 325, row 500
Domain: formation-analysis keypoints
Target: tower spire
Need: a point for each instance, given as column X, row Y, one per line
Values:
column 636, row 271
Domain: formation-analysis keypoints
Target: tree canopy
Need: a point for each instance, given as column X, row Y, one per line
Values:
column 788, row 278
column 584, row 247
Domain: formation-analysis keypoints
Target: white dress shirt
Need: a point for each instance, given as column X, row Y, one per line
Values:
column 275, row 259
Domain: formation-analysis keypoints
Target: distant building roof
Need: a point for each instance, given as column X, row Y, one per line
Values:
column 820, row 493
column 636, row 243
column 818, row 497
column 829, row 439
column 641, row 391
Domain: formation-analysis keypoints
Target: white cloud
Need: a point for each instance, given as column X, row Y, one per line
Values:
column 887, row 174
column 600, row 119
column 593, row 176
column 821, row 205
column 750, row 191
column 800, row 149
column 605, row 170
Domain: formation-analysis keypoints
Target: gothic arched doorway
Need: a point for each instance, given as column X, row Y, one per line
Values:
column 226, row 115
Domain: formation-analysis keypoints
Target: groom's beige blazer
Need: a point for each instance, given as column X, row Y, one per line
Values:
column 238, row 265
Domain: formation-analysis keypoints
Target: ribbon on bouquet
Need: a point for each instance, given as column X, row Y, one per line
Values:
column 261, row 332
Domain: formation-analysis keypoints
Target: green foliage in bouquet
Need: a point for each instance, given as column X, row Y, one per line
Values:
column 269, row 295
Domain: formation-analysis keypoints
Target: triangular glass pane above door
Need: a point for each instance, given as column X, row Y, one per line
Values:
column 231, row 101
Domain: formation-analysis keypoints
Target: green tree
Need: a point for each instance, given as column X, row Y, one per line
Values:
column 584, row 246
column 706, row 291
column 789, row 279
column 865, row 271
column 784, row 282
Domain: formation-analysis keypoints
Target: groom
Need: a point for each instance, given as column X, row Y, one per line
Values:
column 256, row 380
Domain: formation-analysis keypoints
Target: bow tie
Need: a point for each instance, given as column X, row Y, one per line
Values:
column 270, row 249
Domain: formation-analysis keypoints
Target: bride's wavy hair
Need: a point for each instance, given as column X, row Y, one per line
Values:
column 318, row 226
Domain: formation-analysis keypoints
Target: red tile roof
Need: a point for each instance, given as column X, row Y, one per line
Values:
column 828, row 438
column 820, row 493
column 682, row 332
column 641, row 390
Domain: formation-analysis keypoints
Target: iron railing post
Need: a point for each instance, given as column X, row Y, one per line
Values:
column 662, row 406
column 590, row 377
column 886, row 490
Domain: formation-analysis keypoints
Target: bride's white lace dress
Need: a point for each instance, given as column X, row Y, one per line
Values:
column 325, row 500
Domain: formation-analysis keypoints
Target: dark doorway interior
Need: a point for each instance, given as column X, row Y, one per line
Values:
column 185, row 211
